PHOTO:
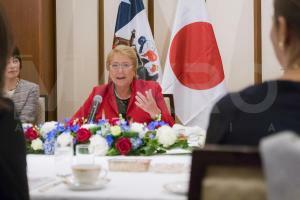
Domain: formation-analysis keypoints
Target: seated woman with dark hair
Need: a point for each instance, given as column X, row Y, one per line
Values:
column 136, row 100
column 244, row 118
column 24, row 94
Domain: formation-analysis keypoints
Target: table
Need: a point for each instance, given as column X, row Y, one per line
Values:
column 123, row 185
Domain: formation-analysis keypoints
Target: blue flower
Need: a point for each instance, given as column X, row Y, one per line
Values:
column 151, row 136
column 109, row 140
column 60, row 127
column 156, row 124
column 74, row 128
column 152, row 125
column 125, row 127
column 136, row 143
column 49, row 146
column 102, row 122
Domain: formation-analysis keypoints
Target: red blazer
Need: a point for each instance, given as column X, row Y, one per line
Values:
column 110, row 108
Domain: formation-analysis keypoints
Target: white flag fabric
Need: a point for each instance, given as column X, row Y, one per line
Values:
column 133, row 29
column 194, row 71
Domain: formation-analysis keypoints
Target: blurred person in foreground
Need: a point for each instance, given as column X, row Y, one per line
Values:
column 13, row 178
column 244, row 118
column 136, row 100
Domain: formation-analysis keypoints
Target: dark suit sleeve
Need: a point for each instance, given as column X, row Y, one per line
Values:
column 220, row 121
column 13, row 184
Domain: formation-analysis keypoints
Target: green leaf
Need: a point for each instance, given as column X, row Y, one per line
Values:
column 94, row 129
column 180, row 144
column 148, row 150
column 112, row 152
column 130, row 134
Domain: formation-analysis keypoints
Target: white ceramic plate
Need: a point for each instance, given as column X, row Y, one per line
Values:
column 74, row 185
column 180, row 187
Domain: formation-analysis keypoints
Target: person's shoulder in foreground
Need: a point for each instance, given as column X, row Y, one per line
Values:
column 243, row 118
column 13, row 184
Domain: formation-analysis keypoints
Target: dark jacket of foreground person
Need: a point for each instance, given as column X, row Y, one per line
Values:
column 246, row 117
column 13, row 177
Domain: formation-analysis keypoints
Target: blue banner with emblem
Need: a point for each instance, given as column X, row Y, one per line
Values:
column 133, row 29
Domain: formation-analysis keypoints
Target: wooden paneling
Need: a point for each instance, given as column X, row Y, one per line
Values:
column 257, row 42
column 101, row 43
column 33, row 25
column 151, row 15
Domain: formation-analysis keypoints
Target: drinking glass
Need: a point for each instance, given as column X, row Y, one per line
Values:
column 84, row 155
column 63, row 156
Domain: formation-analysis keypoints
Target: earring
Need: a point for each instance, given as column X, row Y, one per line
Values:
column 281, row 45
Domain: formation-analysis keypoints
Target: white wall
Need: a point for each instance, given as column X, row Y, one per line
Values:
column 270, row 66
column 77, row 53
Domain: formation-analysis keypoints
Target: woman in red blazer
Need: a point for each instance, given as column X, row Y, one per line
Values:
column 137, row 100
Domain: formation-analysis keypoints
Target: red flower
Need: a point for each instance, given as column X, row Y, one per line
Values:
column 115, row 121
column 123, row 145
column 83, row 135
column 31, row 134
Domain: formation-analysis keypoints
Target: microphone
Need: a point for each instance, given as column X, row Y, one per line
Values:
column 96, row 102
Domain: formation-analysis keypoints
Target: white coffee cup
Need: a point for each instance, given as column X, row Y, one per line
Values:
column 87, row 173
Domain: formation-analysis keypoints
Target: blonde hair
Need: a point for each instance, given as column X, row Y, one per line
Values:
column 124, row 50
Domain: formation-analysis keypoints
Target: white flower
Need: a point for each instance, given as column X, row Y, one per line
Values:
column 98, row 145
column 115, row 130
column 196, row 136
column 37, row 144
column 139, row 128
column 64, row 139
column 26, row 126
column 166, row 136
column 47, row 127
column 179, row 129
column 89, row 126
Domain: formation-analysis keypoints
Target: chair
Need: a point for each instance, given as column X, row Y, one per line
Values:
column 169, row 100
column 281, row 158
column 231, row 173
column 42, row 115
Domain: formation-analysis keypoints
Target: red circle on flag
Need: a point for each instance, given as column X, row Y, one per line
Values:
column 195, row 58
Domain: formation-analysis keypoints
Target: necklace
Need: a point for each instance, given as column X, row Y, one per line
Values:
column 18, row 81
column 120, row 97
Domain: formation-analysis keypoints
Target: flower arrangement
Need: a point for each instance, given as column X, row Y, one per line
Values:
column 118, row 137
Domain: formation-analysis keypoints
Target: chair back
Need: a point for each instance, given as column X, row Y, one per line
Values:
column 226, row 173
column 169, row 100
column 42, row 115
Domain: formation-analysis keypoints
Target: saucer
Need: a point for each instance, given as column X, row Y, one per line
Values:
column 180, row 187
column 72, row 184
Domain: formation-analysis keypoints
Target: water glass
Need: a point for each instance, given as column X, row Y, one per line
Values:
column 84, row 155
column 63, row 157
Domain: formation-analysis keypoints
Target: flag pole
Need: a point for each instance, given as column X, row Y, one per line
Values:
column 151, row 15
column 257, row 43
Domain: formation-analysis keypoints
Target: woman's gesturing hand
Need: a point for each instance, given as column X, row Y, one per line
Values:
column 147, row 103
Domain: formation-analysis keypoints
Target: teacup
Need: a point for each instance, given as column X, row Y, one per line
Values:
column 87, row 173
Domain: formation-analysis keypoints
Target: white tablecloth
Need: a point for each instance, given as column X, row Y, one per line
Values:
column 123, row 185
